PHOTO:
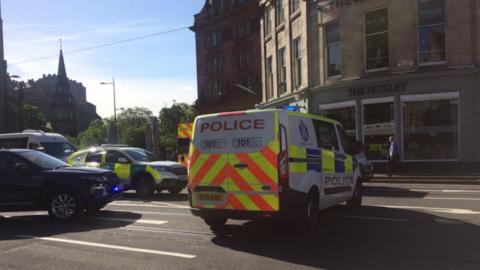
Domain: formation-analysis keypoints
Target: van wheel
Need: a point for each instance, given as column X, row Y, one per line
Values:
column 216, row 224
column 356, row 200
column 311, row 211
column 144, row 187
column 175, row 190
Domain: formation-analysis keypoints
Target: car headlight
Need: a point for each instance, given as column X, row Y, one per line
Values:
column 161, row 169
column 99, row 189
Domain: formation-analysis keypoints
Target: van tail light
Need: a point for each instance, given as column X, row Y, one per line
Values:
column 283, row 169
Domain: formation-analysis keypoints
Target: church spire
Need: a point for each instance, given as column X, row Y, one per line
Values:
column 62, row 84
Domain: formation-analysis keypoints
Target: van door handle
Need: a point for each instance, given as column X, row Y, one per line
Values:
column 240, row 166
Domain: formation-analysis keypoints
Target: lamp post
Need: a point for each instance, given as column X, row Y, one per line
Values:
column 114, row 106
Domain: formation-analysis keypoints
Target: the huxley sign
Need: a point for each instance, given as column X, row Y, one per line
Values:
column 377, row 89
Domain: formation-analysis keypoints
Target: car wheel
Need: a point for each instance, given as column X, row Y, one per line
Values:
column 176, row 190
column 217, row 225
column 311, row 211
column 144, row 187
column 64, row 205
column 356, row 200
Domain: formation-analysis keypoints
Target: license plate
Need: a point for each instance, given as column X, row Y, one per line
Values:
column 211, row 197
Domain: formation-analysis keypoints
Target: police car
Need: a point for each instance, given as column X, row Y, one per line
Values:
column 256, row 163
column 135, row 168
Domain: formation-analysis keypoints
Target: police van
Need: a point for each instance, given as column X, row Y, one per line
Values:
column 244, row 165
column 53, row 144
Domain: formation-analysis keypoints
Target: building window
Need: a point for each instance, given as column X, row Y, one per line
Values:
column 243, row 58
column 282, row 72
column 280, row 11
column 334, row 50
column 297, row 62
column 269, row 78
column 378, row 125
column 294, row 5
column 432, row 31
column 376, row 38
column 347, row 117
column 215, row 40
column 268, row 21
column 430, row 129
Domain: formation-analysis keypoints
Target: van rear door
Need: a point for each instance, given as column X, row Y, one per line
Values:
column 234, row 161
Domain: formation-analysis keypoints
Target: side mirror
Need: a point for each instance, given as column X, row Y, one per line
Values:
column 122, row 160
column 21, row 167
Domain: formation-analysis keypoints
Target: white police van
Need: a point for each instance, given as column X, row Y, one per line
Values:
column 243, row 165
column 53, row 144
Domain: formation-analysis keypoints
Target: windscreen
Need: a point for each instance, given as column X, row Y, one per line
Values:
column 58, row 149
column 234, row 133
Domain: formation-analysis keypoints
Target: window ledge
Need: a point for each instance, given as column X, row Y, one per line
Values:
column 295, row 15
column 429, row 64
column 268, row 37
column 376, row 70
column 280, row 27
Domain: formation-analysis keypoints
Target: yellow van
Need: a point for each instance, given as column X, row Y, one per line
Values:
column 244, row 165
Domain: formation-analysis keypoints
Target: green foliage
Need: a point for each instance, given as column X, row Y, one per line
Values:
column 131, row 125
column 33, row 118
column 168, row 121
column 95, row 134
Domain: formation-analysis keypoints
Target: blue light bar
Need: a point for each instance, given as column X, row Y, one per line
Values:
column 291, row 108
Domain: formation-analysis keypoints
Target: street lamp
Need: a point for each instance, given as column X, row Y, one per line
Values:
column 114, row 106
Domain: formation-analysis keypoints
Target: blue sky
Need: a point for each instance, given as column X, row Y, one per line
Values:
column 149, row 73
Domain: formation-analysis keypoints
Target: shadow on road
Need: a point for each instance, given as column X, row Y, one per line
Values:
column 346, row 240
column 42, row 226
column 392, row 192
column 163, row 197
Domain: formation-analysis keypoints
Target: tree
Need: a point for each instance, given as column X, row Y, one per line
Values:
column 168, row 122
column 33, row 118
column 95, row 134
column 131, row 125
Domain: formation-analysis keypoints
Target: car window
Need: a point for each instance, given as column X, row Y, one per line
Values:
column 113, row 156
column 344, row 139
column 326, row 135
column 94, row 157
column 13, row 143
column 58, row 149
column 10, row 160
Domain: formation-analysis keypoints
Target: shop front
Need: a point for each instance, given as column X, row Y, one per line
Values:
column 431, row 116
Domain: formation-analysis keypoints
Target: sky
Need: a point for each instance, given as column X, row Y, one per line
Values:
column 151, row 72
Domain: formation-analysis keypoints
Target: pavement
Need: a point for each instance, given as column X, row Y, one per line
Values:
column 428, row 179
column 399, row 226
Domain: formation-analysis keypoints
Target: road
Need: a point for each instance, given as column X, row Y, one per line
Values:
column 400, row 226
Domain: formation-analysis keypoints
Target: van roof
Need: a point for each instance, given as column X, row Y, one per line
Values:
column 28, row 133
column 300, row 114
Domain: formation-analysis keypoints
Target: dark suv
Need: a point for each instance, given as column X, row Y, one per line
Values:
column 31, row 180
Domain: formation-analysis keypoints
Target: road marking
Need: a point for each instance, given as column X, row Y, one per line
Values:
column 154, row 213
column 452, row 198
column 92, row 244
column 141, row 221
column 433, row 209
column 148, row 205
column 172, row 205
column 422, row 190
column 373, row 218
column 170, row 231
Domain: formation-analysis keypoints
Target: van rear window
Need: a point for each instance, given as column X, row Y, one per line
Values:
column 234, row 133
column 13, row 143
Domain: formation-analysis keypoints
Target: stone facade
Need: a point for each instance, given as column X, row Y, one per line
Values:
column 406, row 68
column 57, row 96
column 228, row 56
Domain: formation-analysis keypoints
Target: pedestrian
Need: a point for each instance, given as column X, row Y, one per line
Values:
column 393, row 156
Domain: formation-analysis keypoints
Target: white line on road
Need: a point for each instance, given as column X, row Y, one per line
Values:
column 92, row 244
column 373, row 218
column 149, row 205
column 170, row 231
column 141, row 221
column 451, row 198
column 432, row 209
